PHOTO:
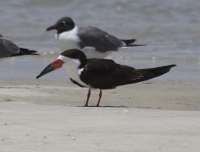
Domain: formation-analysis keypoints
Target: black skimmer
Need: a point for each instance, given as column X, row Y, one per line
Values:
column 94, row 42
column 100, row 73
column 8, row 49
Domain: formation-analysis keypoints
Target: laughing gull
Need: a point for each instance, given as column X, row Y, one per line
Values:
column 100, row 73
column 8, row 49
column 94, row 42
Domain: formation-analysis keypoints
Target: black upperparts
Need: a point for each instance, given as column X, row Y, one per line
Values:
column 151, row 73
column 108, row 78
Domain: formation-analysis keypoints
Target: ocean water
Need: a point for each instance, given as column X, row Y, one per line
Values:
column 171, row 30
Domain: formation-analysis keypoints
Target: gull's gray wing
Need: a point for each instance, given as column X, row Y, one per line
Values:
column 100, row 40
column 7, row 48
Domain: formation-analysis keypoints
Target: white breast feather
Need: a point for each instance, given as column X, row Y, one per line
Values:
column 68, row 40
column 72, row 69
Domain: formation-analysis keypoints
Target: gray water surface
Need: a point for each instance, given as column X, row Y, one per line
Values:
column 171, row 30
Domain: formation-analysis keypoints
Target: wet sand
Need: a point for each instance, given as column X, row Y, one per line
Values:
column 153, row 94
column 41, row 115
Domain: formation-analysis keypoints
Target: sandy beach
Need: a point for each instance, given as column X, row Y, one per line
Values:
column 42, row 115
column 48, row 114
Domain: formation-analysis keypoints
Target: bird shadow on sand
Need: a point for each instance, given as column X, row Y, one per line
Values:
column 105, row 106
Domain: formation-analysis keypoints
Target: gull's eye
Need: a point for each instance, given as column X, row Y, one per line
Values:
column 63, row 23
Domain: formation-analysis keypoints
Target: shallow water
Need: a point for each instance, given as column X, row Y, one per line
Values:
column 169, row 28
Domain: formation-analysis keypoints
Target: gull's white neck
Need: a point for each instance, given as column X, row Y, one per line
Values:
column 72, row 69
column 68, row 40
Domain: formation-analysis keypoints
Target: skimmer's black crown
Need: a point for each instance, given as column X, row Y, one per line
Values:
column 64, row 24
column 76, row 54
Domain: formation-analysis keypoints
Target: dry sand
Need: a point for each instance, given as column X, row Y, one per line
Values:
column 41, row 115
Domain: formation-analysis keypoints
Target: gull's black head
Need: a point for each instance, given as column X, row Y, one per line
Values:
column 62, row 25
